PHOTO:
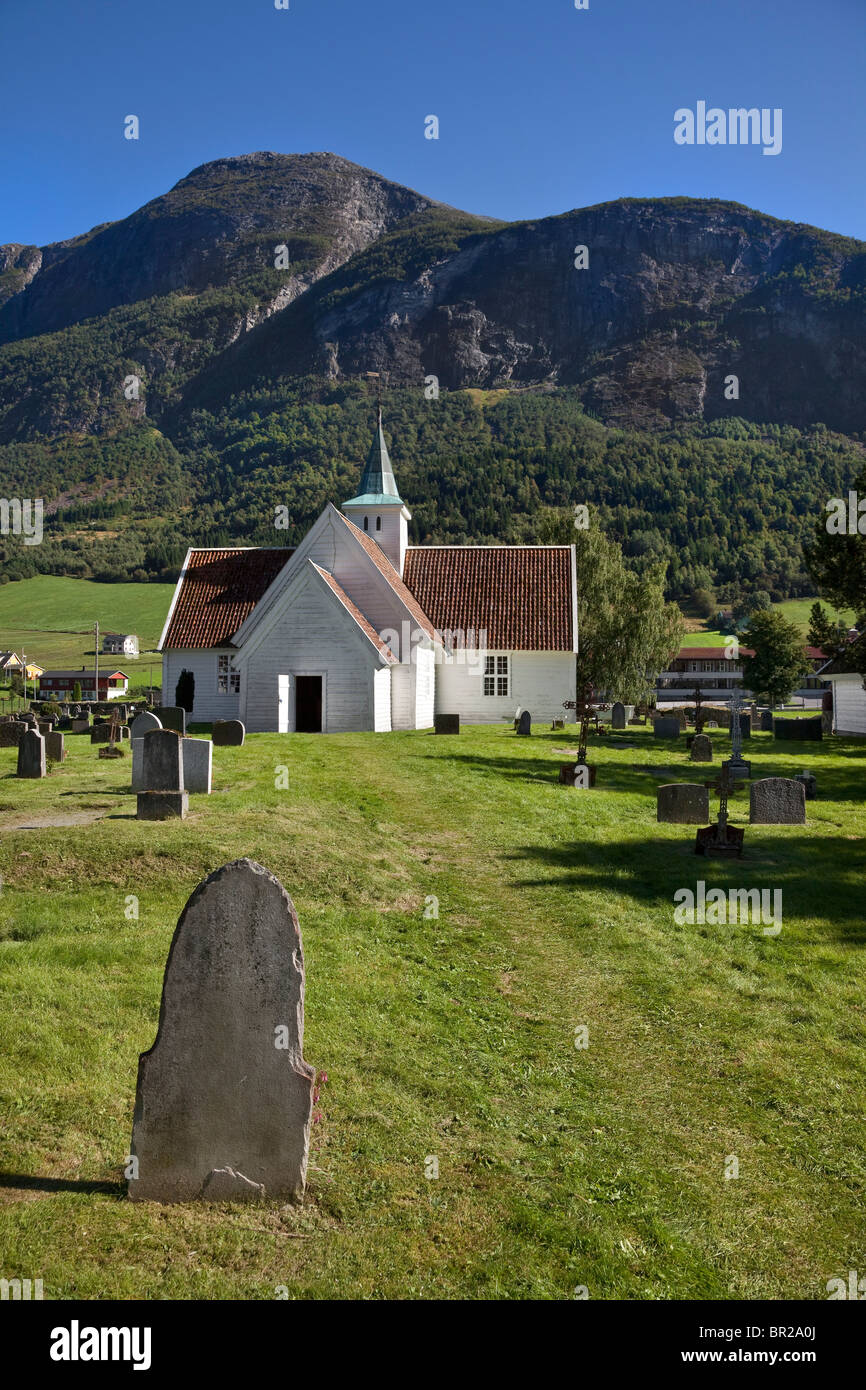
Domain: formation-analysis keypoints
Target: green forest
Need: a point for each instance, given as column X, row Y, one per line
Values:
column 727, row 504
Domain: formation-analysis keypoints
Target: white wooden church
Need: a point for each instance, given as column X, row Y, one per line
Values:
column 357, row 630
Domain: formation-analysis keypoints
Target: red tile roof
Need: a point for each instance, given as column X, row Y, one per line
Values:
column 383, row 564
column 220, row 588
column 521, row 594
column 367, row 628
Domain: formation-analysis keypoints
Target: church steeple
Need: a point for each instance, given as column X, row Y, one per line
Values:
column 378, row 485
column 378, row 508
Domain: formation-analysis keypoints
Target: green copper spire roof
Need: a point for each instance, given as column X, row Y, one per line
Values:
column 378, row 486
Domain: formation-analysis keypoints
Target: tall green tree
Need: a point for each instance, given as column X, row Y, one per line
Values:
column 831, row 637
column 779, row 663
column 627, row 633
column 837, row 562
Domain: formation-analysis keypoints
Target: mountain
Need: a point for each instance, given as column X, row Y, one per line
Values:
column 248, row 378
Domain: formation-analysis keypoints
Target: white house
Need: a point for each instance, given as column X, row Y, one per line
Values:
column 357, row 630
column 849, row 695
column 120, row 643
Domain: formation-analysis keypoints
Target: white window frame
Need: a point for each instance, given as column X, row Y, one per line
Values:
column 228, row 681
column 496, row 676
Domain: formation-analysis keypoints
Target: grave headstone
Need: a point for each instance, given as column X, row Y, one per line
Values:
column 809, row 783
column 100, row 733
column 82, row 725
column 162, row 770
column 143, row 723
column 701, row 749
column 31, row 755
column 682, row 803
column 777, row 801
column 746, row 725
column 54, row 750
column 172, row 717
column 667, row 726
column 224, row 1097
column 12, row 733
column 580, row 775
column 446, row 723
column 766, row 721
column 228, row 733
column 806, row 729
column 197, row 764
column 617, row 716
column 524, row 723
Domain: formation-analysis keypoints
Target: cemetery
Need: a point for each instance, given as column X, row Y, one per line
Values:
column 402, row 1104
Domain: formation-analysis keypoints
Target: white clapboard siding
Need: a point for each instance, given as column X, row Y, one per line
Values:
column 849, row 705
column 539, row 682
column 337, row 550
column 208, row 703
column 402, row 697
column 425, row 686
column 316, row 637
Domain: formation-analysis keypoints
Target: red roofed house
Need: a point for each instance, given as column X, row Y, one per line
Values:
column 356, row 629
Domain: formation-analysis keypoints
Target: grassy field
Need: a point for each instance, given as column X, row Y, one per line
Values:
column 454, row 1037
column 52, row 619
column 796, row 610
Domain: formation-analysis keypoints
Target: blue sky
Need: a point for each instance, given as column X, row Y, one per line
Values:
column 542, row 107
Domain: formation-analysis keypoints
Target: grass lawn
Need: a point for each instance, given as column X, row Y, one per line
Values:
column 455, row 1037
column 52, row 619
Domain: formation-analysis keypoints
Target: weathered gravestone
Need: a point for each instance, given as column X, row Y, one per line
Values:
column 702, row 749
column 54, row 750
column 809, row 783
column 617, row 715
column 766, row 721
column 172, row 717
column 745, row 725
column 799, row 728
column 524, row 723
column 224, row 1098
column 580, row 775
column 11, row 734
column 81, row 725
column 777, row 801
column 100, row 733
column 45, row 726
column 668, row 726
column 162, row 771
column 228, row 733
column 446, row 723
column 683, row 803
column 197, row 764
column 31, row 755
column 143, row 723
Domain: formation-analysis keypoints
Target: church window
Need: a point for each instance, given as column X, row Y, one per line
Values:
column 378, row 523
column 366, row 523
column 228, row 681
column 495, row 675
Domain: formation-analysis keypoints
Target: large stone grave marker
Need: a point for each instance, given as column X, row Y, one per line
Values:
column 31, row 755
column 172, row 717
column 766, row 721
column 683, row 803
column 228, row 733
column 224, row 1098
column 162, row 770
column 524, row 723
column 701, row 749
column 54, row 750
column 12, row 733
column 617, row 715
column 667, row 726
column 777, row 801
column 446, row 723
column 799, row 728
column 197, row 764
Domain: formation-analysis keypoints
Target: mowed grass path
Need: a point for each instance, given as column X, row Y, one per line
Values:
column 454, row 1036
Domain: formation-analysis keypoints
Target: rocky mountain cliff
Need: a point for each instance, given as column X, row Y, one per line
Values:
column 676, row 295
